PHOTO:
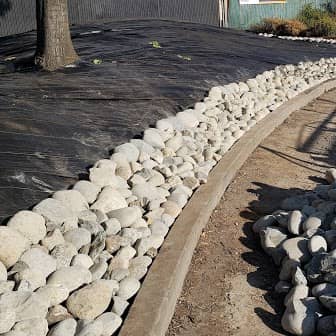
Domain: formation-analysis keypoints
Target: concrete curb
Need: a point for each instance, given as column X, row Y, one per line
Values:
column 154, row 305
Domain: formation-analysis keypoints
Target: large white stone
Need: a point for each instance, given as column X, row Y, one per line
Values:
column 70, row 277
column 30, row 224
column 108, row 200
column 90, row 301
column 37, row 259
column 12, row 245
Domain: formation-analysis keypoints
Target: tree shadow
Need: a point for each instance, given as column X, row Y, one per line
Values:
column 5, row 6
column 266, row 275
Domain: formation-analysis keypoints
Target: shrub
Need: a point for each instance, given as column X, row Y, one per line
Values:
column 321, row 22
column 280, row 27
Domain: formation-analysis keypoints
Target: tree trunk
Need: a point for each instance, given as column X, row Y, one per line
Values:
column 54, row 45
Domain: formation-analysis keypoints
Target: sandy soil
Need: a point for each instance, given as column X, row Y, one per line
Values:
column 228, row 290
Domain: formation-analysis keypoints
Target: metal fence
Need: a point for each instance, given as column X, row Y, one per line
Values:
column 18, row 16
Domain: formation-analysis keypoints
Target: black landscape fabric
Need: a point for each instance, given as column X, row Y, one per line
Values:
column 55, row 125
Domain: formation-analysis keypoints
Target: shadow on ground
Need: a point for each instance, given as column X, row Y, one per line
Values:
column 318, row 140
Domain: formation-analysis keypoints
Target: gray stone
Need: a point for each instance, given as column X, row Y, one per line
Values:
column 70, row 277
column 63, row 254
column 98, row 269
column 54, row 211
column 97, row 245
column 119, row 305
column 78, row 237
column 57, row 314
column 297, row 249
column 328, row 302
column 64, row 328
column 33, row 278
column 324, row 289
column 299, row 277
column 6, row 286
column 144, row 244
column 126, row 216
column 159, row 228
column 111, row 322
column 7, row 320
column 89, row 328
column 153, row 138
column 317, row 244
column 108, row 200
column 53, row 295
column 128, row 287
column 3, row 272
column 30, row 224
column 171, row 208
column 72, row 199
column 88, row 189
column 37, row 259
column 312, row 222
column 130, row 151
column 12, row 245
column 298, row 320
column 112, row 226
column 33, row 327
column 52, row 239
column 33, row 307
column 92, row 300
column 82, row 260
column 295, row 221
column 326, row 325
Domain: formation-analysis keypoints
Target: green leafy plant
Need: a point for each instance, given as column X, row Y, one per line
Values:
column 184, row 57
column 97, row 61
column 155, row 44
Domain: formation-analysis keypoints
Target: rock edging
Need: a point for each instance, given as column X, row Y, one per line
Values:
column 101, row 236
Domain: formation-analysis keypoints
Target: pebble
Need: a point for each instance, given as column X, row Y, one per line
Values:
column 63, row 254
column 294, row 222
column 145, row 244
column 153, row 138
column 54, row 211
column 30, row 224
column 130, row 151
column 109, row 199
column 112, row 226
column 317, row 244
column 7, row 320
column 89, row 328
column 92, row 300
column 128, row 287
column 53, row 295
column 37, row 259
column 64, row 328
column 78, row 237
column 126, row 216
column 88, row 190
column 32, row 327
column 57, row 314
column 297, row 249
column 71, row 277
column 72, row 199
column 82, row 260
column 111, row 322
column 52, row 239
column 12, row 245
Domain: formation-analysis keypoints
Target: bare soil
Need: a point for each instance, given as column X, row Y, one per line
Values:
column 229, row 288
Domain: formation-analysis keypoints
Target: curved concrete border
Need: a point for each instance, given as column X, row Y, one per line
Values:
column 154, row 305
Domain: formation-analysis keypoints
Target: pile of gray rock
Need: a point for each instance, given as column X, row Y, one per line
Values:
column 71, row 265
column 301, row 38
column 301, row 239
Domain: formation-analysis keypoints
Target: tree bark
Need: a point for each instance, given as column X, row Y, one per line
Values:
column 54, row 45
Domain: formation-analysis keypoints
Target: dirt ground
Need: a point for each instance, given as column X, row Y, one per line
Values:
column 228, row 290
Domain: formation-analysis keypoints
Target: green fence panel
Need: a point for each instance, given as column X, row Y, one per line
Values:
column 243, row 16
